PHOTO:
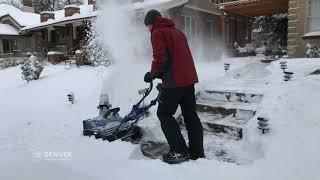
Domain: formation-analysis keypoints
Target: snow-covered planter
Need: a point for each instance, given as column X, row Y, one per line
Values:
column 55, row 57
column 312, row 51
column 31, row 69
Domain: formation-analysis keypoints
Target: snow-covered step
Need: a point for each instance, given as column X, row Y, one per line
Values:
column 227, row 112
column 223, row 120
column 226, row 108
column 229, row 96
column 230, row 125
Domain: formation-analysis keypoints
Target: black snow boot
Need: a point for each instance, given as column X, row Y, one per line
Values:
column 195, row 157
column 175, row 158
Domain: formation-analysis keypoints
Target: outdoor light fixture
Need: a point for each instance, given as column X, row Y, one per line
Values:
column 288, row 76
column 263, row 125
column 71, row 97
column 226, row 67
column 283, row 65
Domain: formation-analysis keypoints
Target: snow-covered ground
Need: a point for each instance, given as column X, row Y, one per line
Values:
column 36, row 119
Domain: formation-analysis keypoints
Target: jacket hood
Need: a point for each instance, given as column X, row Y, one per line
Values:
column 162, row 22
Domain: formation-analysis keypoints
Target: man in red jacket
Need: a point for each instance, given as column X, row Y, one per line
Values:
column 173, row 63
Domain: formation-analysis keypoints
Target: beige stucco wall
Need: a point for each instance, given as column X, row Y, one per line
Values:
column 297, row 27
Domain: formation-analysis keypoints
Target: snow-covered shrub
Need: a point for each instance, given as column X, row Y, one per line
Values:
column 31, row 69
column 94, row 49
column 312, row 51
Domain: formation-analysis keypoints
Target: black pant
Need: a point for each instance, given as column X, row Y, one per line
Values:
column 168, row 104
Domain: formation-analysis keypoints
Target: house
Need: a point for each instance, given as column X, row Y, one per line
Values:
column 207, row 27
column 303, row 15
column 62, row 32
column 12, row 20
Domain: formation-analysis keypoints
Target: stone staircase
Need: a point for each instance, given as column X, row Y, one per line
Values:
column 227, row 112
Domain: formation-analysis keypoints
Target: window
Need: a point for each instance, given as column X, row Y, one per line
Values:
column 209, row 29
column 58, row 36
column 314, row 15
column 9, row 45
column 190, row 27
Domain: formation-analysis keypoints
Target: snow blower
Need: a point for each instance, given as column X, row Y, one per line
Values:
column 112, row 127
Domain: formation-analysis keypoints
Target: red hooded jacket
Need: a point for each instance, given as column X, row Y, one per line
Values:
column 173, row 61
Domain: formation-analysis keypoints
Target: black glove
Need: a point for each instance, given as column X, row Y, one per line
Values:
column 148, row 78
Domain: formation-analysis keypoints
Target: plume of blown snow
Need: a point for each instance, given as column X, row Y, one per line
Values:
column 128, row 41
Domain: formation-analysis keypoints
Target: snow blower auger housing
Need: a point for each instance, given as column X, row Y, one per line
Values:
column 112, row 127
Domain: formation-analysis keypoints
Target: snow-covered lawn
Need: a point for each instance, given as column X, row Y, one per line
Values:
column 36, row 118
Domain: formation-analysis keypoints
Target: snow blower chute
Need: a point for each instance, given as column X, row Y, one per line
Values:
column 111, row 126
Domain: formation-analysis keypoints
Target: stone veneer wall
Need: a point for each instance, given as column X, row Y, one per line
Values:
column 297, row 27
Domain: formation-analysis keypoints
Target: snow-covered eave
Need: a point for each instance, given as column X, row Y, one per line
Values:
column 312, row 35
column 235, row 3
column 159, row 5
column 67, row 20
column 13, row 20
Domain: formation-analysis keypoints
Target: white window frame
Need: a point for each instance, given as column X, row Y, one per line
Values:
column 190, row 33
column 313, row 8
column 211, row 36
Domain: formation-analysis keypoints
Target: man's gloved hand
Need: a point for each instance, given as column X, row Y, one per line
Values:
column 148, row 78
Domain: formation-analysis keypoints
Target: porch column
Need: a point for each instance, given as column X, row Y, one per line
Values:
column 223, row 19
column 249, row 22
column 69, row 39
column 45, row 42
column 1, row 46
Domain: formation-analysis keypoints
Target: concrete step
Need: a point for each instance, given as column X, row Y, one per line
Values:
column 229, row 96
column 226, row 112
column 230, row 121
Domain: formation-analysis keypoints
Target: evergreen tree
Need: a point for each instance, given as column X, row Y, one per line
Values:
column 31, row 69
column 27, row 70
column 94, row 49
column 273, row 29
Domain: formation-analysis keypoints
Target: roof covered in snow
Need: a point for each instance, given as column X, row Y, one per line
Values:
column 23, row 18
column 86, row 11
column 159, row 4
column 6, row 29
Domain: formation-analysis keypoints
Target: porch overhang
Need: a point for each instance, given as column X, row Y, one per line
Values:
column 252, row 8
column 160, row 5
